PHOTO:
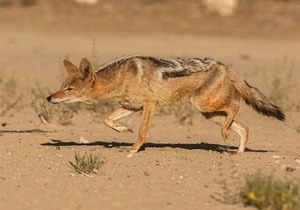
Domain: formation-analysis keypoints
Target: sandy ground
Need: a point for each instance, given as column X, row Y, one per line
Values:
column 180, row 167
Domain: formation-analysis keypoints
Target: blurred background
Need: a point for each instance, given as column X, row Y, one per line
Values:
column 259, row 38
column 44, row 30
column 276, row 18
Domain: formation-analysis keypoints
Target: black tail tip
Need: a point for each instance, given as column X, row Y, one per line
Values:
column 279, row 115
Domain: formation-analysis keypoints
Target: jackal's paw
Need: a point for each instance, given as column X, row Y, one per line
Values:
column 129, row 149
column 240, row 150
column 123, row 129
column 225, row 133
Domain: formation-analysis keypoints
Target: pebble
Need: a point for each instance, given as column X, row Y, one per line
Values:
column 83, row 140
column 290, row 169
column 129, row 155
column 2, row 178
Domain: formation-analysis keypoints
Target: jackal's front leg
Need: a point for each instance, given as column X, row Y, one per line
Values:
column 148, row 112
column 117, row 115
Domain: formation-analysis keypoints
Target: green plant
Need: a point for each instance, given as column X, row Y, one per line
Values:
column 184, row 114
column 287, row 0
column 27, row 3
column 277, row 92
column 10, row 100
column 282, row 84
column 87, row 163
column 62, row 72
column 4, row 3
column 10, row 86
column 100, row 108
column 265, row 192
column 94, row 55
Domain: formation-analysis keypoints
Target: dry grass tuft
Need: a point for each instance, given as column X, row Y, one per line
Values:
column 87, row 163
column 10, row 99
column 60, row 113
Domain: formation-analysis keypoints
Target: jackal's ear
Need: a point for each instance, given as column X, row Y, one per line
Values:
column 85, row 68
column 71, row 68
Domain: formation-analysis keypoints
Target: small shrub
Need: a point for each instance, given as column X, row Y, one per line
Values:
column 61, row 113
column 27, row 3
column 94, row 52
column 282, row 83
column 278, row 91
column 265, row 192
column 87, row 163
column 10, row 87
column 100, row 108
column 184, row 114
column 10, row 100
column 4, row 3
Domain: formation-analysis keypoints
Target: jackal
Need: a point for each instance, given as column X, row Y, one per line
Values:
column 142, row 82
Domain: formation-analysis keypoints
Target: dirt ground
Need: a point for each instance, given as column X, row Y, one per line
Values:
column 180, row 166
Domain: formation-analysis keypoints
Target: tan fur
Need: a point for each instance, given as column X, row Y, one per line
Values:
column 140, row 83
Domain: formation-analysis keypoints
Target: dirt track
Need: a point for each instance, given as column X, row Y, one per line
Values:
column 180, row 167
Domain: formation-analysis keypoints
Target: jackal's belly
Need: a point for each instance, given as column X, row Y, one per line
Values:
column 132, row 102
column 175, row 93
column 160, row 94
column 174, row 97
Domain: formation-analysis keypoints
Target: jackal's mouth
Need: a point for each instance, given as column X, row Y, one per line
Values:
column 58, row 102
column 55, row 101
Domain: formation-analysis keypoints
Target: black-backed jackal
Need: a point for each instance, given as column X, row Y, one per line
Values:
column 141, row 82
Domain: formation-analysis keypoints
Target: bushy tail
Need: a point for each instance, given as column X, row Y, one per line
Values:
column 254, row 98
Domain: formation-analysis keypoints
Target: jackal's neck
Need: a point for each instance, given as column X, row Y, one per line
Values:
column 107, row 88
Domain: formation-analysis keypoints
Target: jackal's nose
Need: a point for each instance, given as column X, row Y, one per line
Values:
column 49, row 98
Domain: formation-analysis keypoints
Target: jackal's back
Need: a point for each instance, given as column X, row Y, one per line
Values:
column 169, row 68
column 162, row 80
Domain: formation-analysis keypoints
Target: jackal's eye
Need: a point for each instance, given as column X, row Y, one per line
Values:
column 69, row 89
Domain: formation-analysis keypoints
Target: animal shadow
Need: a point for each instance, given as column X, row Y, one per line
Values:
column 194, row 146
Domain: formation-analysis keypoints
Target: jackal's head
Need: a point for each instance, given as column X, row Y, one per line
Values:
column 79, row 86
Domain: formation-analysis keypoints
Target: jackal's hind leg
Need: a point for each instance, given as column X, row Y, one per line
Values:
column 231, row 111
column 239, row 128
column 243, row 131
column 117, row 115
